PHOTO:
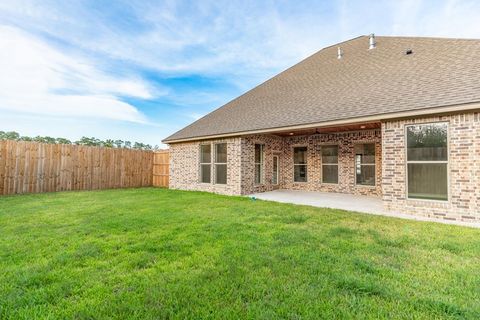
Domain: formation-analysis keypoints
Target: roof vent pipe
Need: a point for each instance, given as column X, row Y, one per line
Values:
column 373, row 43
column 339, row 53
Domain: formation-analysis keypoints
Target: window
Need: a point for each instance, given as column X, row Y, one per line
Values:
column 365, row 164
column 275, row 170
column 300, row 164
column 330, row 164
column 205, row 163
column 221, row 163
column 427, row 161
column 259, row 159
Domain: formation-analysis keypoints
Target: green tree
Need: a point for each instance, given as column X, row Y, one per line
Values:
column 118, row 143
column 63, row 141
column 84, row 141
column 138, row 145
column 50, row 140
column 10, row 135
column 109, row 143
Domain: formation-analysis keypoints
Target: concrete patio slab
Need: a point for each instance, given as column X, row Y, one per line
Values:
column 364, row 204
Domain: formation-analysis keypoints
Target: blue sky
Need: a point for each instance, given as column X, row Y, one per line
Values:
column 140, row 70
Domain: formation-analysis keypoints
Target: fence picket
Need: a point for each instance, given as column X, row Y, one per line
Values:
column 31, row 167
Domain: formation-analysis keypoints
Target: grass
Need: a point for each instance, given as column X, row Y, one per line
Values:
column 162, row 254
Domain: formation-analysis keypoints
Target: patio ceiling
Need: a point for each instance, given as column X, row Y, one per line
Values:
column 344, row 128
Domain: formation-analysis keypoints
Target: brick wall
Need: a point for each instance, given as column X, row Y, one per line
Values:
column 273, row 145
column 346, row 142
column 185, row 167
column 464, row 169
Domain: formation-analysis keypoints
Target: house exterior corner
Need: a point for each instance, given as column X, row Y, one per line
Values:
column 463, row 168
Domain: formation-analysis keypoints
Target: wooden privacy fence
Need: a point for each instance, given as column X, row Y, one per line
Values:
column 30, row 167
column 161, row 168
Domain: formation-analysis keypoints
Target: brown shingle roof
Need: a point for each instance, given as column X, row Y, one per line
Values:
column 321, row 88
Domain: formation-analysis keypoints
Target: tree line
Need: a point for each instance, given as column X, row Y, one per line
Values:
column 84, row 141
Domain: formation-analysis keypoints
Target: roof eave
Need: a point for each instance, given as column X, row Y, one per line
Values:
column 364, row 119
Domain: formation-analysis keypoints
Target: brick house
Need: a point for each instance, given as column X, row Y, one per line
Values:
column 392, row 117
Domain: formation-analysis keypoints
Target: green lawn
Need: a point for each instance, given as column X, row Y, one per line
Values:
column 157, row 254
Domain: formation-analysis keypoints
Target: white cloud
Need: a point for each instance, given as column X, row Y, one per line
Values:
column 234, row 38
column 175, row 37
column 429, row 18
column 405, row 16
column 458, row 19
column 240, row 43
column 37, row 78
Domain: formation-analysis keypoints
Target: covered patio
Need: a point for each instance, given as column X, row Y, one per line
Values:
column 339, row 159
column 344, row 201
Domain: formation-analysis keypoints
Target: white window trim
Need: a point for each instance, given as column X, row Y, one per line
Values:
column 215, row 163
column 204, row 163
column 443, row 161
column 365, row 164
column 331, row 164
column 261, row 163
column 300, row 164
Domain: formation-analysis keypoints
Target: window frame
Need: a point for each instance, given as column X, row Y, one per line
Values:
column 366, row 164
column 215, row 163
column 298, row 164
column 261, row 164
column 205, row 163
column 447, row 162
column 331, row 164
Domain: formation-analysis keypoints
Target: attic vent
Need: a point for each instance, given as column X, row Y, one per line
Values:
column 373, row 43
column 409, row 51
column 339, row 53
